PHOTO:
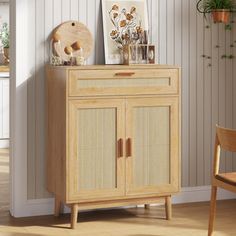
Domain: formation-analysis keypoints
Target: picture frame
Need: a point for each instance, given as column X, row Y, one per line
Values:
column 120, row 17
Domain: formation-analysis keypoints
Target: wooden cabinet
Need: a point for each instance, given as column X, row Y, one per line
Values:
column 113, row 135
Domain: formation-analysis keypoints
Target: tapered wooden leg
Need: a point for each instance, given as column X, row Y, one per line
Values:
column 212, row 210
column 147, row 206
column 74, row 215
column 57, row 209
column 168, row 207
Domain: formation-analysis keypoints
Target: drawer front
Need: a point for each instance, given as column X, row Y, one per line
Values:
column 123, row 82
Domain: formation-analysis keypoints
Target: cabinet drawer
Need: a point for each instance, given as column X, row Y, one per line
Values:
column 123, row 82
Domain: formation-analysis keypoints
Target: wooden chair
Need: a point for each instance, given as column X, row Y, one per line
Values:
column 225, row 139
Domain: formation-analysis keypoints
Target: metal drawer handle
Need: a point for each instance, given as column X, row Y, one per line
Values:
column 124, row 73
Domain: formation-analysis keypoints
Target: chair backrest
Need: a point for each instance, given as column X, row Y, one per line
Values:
column 226, row 138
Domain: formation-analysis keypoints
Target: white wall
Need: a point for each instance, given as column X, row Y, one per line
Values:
column 182, row 37
column 4, row 12
column 4, row 112
column 4, row 18
column 4, row 87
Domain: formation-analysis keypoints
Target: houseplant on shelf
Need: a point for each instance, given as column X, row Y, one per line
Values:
column 5, row 39
column 220, row 9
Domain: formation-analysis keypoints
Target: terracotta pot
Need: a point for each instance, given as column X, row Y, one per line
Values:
column 6, row 55
column 221, row 16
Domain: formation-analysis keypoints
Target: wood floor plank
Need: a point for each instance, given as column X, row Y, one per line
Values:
column 4, row 181
column 129, row 222
column 188, row 219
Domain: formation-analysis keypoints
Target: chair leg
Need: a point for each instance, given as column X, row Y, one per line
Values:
column 74, row 215
column 57, row 209
column 212, row 210
column 168, row 207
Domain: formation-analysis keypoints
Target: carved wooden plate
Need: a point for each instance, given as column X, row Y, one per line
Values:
column 71, row 32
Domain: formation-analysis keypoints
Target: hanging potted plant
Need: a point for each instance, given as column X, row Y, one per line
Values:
column 5, row 39
column 220, row 9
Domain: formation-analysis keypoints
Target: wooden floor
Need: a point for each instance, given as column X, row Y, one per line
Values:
column 4, row 180
column 188, row 219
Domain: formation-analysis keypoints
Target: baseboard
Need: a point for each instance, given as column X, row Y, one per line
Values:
column 200, row 194
column 4, row 143
column 36, row 207
column 192, row 194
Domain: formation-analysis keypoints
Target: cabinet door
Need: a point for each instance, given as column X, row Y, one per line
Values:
column 95, row 157
column 152, row 146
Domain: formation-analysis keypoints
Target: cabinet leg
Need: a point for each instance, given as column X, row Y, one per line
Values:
column 74, row 215
column 147, row 206
column 168, row 207
column 57, row 209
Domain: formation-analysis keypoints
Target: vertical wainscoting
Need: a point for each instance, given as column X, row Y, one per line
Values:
column 4, row 111
column 4, row 88
column 182, row 37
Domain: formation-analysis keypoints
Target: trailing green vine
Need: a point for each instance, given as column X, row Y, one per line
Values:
column 230, row 56
column 214, row 7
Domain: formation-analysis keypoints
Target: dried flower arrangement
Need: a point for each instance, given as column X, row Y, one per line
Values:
column 127, row 26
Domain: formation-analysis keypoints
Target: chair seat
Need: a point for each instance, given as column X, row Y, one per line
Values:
column 229, row 178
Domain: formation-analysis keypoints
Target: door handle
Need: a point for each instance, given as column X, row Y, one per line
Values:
column 120, row 148
column 129, row 147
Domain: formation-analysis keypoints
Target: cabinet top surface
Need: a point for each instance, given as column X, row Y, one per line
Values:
column 114, row 67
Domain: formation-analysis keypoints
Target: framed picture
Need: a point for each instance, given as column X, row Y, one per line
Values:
column 122, row 20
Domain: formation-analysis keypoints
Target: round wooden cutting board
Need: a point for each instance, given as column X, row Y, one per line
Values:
column 71, row 32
